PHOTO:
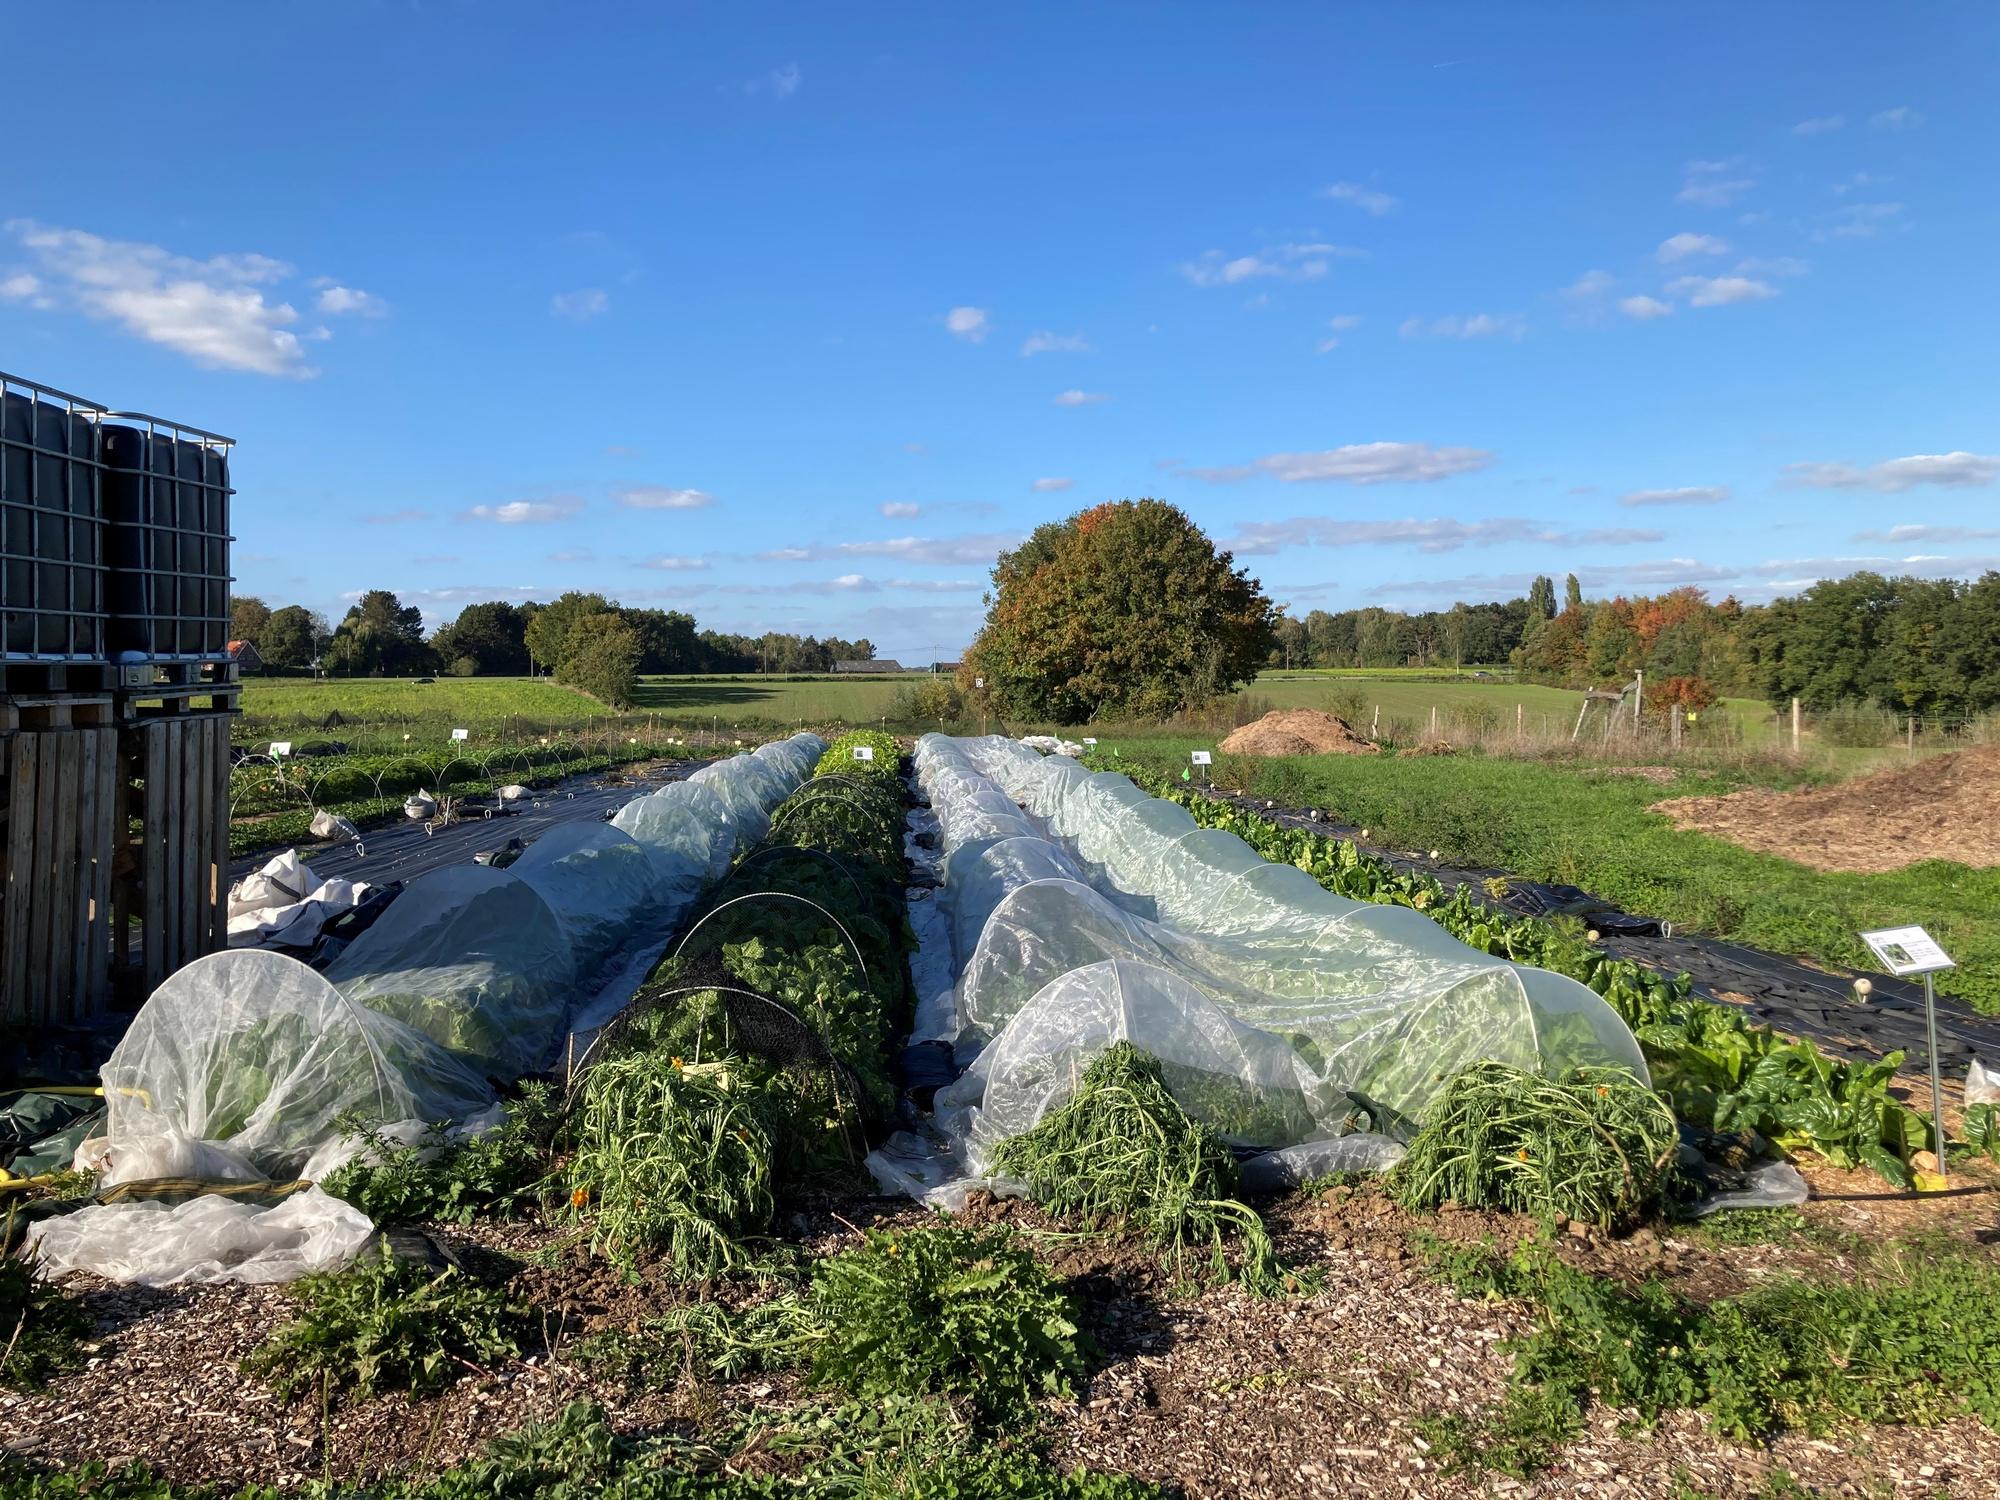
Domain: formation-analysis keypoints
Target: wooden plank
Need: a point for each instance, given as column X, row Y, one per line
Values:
column 218, row 838
column 126, row 869
column 173, row 832
column 65, row 877
column 153, row 856
column 201, row 834
column 21, row 760
column 105, row 834
column 188, row 845
column 43, row 936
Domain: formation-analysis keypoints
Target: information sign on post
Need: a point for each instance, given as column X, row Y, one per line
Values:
column 459, row 735
column 1911, row 950
column 864, row 752
column 280, row 749
column 1203, row 759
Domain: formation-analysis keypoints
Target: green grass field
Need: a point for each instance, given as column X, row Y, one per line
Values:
column 1572, row 823
column 772, row 700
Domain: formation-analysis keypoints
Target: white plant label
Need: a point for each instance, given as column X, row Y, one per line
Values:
column 461, row 734
column 1202, row 758
column 979, row 682
column 864, row 752
column 1907, row 950
column 280, row 749
column 1088, row 740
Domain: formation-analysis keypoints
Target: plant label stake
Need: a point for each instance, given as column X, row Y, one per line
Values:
column 1203, row 759
column 280, row 749
column 459, row 736
column 864, row 752
column 1911, row 950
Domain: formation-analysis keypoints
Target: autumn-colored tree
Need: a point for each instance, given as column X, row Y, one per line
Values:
column 1125, row 609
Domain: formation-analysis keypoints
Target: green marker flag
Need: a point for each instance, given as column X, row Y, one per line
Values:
column 1186, row 774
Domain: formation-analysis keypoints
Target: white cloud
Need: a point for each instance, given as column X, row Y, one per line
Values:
column 1682, row 245
column 1339, row 324
column 525, row 512
column 1442, row 534
column 1643, row 307
column 1671, row 572
column 1051, row 486
column 1773, row 265
column 573, row 555
column 1367, row 199
column 1861, row 180
column 1957, row 470
column 661, row 497
column 1590, row 284
column 1470, row 326
column 899, row 509
column 1692, row 494
column 1044, row 342
column 213, row 311
column 581, row 305
column 949, row 551
column 1902, row 117
column 336, row 300
column 1819, row 125
column 25, row 288
column 667, row 562
column 1930, row 534
column 1713, row 184
column 780, row 83
column 1291, row 262
column 1081, row 398
column 1720, row 291
column 968, row 323
column 1861, row 221
column 1359, row 463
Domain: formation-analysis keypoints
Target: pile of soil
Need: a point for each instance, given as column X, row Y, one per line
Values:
column 1298, row 731
column 1945, row 807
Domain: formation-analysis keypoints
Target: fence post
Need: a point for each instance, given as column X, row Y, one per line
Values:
column 1375, row 729
column 1911, row 739
column 1434, row 722
column 1795, row 726
column 1638, row 696
column 1675, row 719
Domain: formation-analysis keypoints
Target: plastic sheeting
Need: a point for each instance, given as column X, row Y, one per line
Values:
column 241, row 1062
column 239, row 1065
column 203, row 1240
column 1082, row 912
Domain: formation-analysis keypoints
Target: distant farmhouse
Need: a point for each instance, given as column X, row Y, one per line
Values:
column 244, row 654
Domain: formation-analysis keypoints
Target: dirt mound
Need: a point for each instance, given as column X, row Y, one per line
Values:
column 1298, row 731
column 1946, row 807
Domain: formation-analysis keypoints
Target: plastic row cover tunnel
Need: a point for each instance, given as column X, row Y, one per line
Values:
column 238, row 1064
column 1281, row 1014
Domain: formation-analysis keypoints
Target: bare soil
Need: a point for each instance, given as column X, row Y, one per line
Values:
column 1944, row 807
column 1298, row 731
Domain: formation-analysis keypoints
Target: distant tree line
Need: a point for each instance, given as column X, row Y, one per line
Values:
column 582, row 639
column 1907, row 645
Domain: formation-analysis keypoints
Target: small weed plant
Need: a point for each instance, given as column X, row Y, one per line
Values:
column 446, row 1179
column 42, row 1328
column 384, row 1325
column 946, row 1311
column 1914, row 1337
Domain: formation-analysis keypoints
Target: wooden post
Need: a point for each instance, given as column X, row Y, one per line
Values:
column 1638, row 696
column 1795, row 726
column 1434, row 721
column 1674, row 718
column 1910, row 740
column 1375, row 729
column 1579, row 721
column 1520, row 711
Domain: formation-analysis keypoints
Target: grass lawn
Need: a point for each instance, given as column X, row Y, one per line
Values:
column 1574, row 824
column 271, row 704
column 786, row 701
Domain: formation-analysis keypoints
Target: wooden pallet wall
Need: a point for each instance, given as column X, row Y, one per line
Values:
column 56, row 907
column 116, row 844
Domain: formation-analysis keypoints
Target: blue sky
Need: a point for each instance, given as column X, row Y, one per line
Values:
column 791, row 315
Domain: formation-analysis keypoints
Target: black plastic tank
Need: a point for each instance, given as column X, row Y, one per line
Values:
column 51, row 526
column 166, row 510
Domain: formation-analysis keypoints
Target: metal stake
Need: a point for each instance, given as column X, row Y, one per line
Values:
column 1937, row 1084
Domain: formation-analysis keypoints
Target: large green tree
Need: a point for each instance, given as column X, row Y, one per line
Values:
column 603, row 659
column 551, row 635
column 293, row 637
column 487, row 640
column 380, row 636
column 1123, row 609
column 248, row 615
